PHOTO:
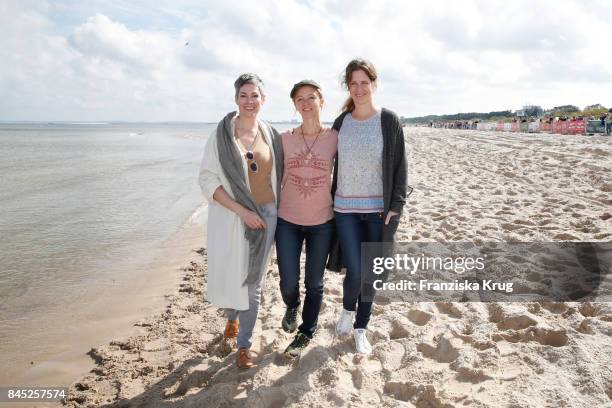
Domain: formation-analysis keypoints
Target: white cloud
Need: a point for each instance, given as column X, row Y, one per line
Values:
column 100, row 36
column 126, row 61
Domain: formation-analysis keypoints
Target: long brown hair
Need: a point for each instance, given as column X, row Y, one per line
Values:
column 357, row 64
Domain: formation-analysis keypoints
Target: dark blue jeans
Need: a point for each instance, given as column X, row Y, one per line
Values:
column 353, row 229
column 289, row 239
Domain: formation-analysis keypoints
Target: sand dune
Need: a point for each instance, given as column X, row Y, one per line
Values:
column 469, row 186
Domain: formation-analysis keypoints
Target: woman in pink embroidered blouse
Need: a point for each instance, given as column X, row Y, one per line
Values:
column 305, row 212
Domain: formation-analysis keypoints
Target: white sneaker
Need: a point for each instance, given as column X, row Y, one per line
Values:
column 361, row 342
column 345, row 322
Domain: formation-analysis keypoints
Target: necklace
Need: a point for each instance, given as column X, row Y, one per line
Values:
column 309, row 148
column 250, row 155
column 250, row 148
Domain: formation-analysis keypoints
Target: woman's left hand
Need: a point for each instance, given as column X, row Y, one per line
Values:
column 389, row 215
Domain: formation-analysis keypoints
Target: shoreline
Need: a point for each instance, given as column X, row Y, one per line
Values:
column 115, row 313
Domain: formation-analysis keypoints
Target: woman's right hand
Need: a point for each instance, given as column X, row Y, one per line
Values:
column 251, row 219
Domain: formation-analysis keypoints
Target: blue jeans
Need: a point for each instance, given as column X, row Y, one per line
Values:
column 353, row 229
column 248, row 318
column 289, row 239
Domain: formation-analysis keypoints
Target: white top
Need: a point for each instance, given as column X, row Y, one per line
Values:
column 360, row 178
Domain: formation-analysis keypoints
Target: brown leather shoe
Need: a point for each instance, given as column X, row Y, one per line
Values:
column 228, row 344
column 231, row 329
column 244, row 360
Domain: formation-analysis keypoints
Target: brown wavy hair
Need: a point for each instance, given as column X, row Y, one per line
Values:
column 358, row 64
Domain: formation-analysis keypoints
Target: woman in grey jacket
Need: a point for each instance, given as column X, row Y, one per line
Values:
column 369, row 188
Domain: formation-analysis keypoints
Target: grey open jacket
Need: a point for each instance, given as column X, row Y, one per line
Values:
column 395, row 178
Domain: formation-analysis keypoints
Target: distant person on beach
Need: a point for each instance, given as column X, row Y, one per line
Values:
column 240, row 177
column 609, row 122
column 305, row 213
column 369, row 188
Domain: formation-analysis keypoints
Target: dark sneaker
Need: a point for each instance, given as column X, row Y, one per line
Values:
column 299, row 343
column 290, row 319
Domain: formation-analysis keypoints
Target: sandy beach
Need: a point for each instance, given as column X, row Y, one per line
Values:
column 468, row 186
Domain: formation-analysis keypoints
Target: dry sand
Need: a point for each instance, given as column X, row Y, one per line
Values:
column 469, row 186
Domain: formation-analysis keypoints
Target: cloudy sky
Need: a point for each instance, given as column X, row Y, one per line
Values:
column 128, row 60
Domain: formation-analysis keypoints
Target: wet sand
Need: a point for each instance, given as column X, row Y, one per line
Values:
column 100, row 319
